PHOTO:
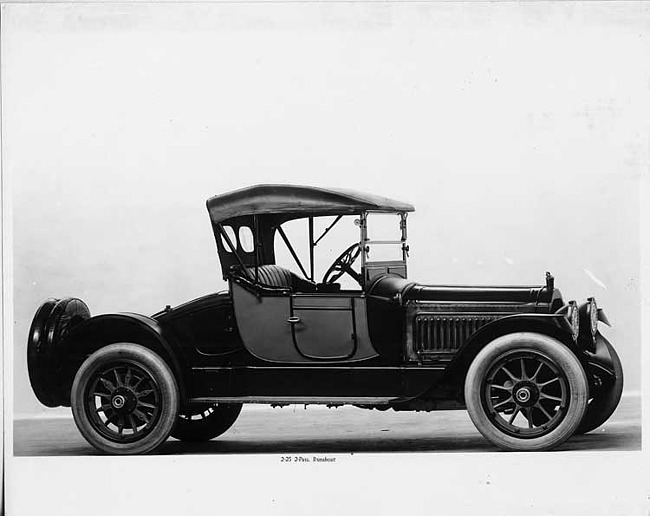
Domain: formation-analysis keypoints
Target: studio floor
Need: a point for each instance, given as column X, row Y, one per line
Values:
column 316, row 429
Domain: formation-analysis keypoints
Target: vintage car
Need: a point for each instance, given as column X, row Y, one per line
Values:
column 530, row 368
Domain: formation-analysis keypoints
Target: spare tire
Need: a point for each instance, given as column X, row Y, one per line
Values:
column 52, row 322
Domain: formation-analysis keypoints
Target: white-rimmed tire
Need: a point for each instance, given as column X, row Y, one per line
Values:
column 125, row 399
column 526, row 392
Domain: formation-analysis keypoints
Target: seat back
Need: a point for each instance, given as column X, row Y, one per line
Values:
column 273, row 276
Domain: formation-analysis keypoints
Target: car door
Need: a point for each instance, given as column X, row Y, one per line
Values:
column 264, row 324
column 314, row 346
column 324, row 325
column 302, row 328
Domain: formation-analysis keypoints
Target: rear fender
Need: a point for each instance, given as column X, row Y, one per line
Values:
column 106, row 329
column 539, row 323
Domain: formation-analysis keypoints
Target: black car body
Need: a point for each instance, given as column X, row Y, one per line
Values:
column 531, row 368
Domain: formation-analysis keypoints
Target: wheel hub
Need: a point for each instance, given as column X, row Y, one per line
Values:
column 123, row 400
column 525, row 393
column 118, row 401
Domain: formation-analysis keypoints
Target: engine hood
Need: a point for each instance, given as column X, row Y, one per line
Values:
column 527, row 294
column 394, row 287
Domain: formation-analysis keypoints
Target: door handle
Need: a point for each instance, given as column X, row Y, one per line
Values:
column 293, row 320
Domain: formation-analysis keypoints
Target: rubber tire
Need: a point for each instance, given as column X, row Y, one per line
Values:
column 39, row 366
column 554, row 351
column 159, row 371
column 52, row 322
column 215, row 424
column 601, row 408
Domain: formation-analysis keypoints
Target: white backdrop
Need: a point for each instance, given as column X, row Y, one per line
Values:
column 518, row 131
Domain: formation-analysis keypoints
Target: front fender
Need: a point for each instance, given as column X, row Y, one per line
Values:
column 102, row 330
column 547, row 324
column 601, row 358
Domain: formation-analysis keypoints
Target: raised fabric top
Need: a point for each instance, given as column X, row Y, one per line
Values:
column 298, row 201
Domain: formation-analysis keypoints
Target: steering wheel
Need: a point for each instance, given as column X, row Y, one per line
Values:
column 343, row 265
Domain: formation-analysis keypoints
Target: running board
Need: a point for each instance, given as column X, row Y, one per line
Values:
column 296, row 400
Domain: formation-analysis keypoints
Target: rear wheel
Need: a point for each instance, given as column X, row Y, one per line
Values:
column 125, row 399
column 204, row 422
column 526, row 392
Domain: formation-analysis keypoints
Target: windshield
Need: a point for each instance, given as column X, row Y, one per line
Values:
column 332, row 237
column 384, row 237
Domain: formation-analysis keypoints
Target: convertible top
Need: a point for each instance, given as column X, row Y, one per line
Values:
column 298, row 201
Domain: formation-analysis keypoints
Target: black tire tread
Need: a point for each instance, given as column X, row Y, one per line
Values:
column 215, row 424
column 52, row 322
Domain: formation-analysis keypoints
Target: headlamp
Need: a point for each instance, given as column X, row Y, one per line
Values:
column 574, row 318
column 592, row 311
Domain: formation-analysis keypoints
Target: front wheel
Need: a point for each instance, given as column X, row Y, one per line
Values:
column 204, row 422
column 526, row 392
column 125, row 399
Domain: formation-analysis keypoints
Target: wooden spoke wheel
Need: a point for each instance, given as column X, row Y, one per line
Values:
column 526, row 392
column 125, row 399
